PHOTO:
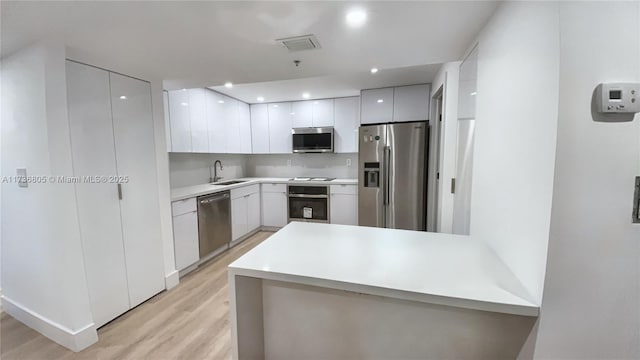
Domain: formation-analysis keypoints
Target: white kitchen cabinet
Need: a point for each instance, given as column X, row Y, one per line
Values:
column 239, row 219
column 302, row 114
column 323, row 113
column 185, row 239
column 274, row 205
column 376, row 106
column 253, row 211
column 243, row 210
column 344, row 204
column 180, row 121
column 244, row 118
column 217, row 128
column 111, row 127
column 259, row 129
column 197, row 116
column 347, row 121
column 232, row 125
column 411, row 103
column 280, row 128
column 167, row 121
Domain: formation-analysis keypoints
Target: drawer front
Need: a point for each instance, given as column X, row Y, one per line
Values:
column 275, row 188
column 183, row 206
column 244, row 191
column 344, row 189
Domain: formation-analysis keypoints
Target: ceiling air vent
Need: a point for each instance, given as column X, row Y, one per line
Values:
column 300, row 43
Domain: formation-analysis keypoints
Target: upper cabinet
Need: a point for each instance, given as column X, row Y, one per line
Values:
column 323, row 113
column 302, row 114
column 180, row 122
column 411, row 103
column 347, row 120
column 399, row 104
column 205, row 121
column 280, row 128
column 376, row 106
column 260, row 129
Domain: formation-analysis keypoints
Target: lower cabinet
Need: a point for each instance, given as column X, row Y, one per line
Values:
column 274, row 205
column 185, row 233
column 344, row 204
column 245, row 210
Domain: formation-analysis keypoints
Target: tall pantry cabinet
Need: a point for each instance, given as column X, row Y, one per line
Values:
column 112, row 140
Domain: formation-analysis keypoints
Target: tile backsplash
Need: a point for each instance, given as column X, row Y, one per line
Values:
column 193, row 169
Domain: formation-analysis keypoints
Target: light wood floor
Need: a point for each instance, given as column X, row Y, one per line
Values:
column 190, row 321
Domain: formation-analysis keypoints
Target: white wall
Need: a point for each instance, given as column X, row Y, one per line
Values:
column 591, row 304
column 43, row 273
column 515, row 139
column 328, row 165
column 447, row 78
column 193, row 169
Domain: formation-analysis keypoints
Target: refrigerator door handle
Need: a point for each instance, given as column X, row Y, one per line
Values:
column 385, row 188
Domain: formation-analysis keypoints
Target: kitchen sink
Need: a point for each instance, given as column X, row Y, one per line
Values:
column 231, row 182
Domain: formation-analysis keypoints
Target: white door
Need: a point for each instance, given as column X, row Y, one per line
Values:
column 376, row 106
column 323, row 113
column 180, row 121
column 215, row 113
column 244, row 117
column 238, row 217
column 347, row 120
column 253, row 211
column 301, row 114
column 185, row 239
column 280, row 128
column 259, row 129
column 93, row 153
column 139, row 207
column 197, row 114
column 411, row 103
column 274, row 209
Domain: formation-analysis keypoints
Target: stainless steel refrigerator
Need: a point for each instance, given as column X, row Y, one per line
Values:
column 392, row 180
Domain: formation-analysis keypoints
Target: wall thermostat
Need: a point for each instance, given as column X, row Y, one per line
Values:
column 618, row 97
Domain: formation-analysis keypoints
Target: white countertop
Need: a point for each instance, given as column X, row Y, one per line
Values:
column 425, row 267
column 204, row 189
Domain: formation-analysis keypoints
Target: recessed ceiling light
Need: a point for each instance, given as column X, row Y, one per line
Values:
column 184, row 89
column 380, row 100
column 473, row 93
column 260, row 98
column 228, row 85
column 184, row 104
column 356, row 18
column 305, row 95
column 292, row 113
column 275, row 105
column 123, row 97
column 220, row 101
column 374, row 70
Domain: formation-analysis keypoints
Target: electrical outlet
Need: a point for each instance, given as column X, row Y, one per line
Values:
column 348, row 162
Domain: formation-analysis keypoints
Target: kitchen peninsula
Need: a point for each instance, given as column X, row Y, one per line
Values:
column 299, row 292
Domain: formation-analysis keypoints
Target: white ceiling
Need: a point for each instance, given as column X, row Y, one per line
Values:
column 339, row 85
column 195, row 44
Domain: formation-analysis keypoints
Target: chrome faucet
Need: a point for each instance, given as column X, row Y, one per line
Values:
column 215, row 177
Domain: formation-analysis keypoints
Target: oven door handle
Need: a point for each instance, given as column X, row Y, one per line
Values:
column 309, row 196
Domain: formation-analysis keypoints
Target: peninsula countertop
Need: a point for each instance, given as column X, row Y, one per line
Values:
column 443, row 269
column 186, row 192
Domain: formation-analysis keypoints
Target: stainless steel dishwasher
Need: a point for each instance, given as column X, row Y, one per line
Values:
column 214, row 222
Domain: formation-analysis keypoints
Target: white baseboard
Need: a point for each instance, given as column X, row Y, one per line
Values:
column 74, row 340
column 171, row 280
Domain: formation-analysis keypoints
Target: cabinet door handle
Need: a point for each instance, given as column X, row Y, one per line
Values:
column 120, row 191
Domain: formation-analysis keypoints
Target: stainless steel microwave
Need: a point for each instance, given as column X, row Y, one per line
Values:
column 312, row 140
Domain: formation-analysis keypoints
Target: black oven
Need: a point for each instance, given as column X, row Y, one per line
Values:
column 308, row 203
